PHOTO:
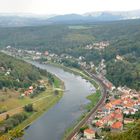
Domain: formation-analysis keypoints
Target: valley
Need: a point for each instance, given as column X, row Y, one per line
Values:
column 106, row 55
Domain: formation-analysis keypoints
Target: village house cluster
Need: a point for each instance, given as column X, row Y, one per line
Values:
column 121, row 103
column 33, row 54
column 46, row 56
column 99, row 45
column 32, row 91
column 112, row 114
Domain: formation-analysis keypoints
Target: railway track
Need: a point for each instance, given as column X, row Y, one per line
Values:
column 93, row 111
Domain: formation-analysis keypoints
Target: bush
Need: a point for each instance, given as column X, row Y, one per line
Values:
column 28, row 108
column 11, row 122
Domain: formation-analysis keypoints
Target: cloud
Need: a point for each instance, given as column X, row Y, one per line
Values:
column 66, row 6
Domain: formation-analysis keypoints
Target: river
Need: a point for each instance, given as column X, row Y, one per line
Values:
column 52, row 124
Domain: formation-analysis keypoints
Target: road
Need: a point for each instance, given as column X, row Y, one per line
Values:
column 93, row 111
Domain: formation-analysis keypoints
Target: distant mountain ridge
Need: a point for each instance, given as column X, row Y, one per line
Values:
column 75, row 18
column 96, row 16
column 123, row 14
column 14, row 20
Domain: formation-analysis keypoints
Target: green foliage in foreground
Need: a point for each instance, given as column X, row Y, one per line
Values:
column 13, row 134
column 12, row 122
column 16, row 133
column 131, row 134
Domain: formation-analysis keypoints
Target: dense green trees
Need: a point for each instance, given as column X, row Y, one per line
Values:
column 19, row 74
column 16, row 73
column 11, row 122
column 133, row 116
column 124, row 73
column 70, row 63
column 131, row 134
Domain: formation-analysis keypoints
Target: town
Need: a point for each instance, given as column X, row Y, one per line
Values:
column 121, row 108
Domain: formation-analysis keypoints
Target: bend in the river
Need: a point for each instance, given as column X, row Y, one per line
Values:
column 52, row 124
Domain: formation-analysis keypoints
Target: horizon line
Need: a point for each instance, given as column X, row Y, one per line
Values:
column 55, row 14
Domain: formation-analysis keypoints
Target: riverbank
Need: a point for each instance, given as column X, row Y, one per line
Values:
column 77, row 72
column 94, row 98
column 45, row 104
column 42, row 103
column 67, row 111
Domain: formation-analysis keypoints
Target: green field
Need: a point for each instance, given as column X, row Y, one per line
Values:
column 78, row 27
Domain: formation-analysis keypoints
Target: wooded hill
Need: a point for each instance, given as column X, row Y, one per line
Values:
column 124, row 38
column 16, row 73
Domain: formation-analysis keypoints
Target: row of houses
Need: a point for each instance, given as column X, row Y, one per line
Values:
column 112, row 115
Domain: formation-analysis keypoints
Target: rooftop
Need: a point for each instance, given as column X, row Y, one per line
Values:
column 117, row 125
column 89, row 131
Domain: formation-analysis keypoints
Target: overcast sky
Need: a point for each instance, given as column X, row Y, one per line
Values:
column 66, row 6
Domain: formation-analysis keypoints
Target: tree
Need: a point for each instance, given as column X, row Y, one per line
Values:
column 83, row 128
column 16, row 133
column 28, row 108
column 7, row 116
column 96, row 135
column 56, row 92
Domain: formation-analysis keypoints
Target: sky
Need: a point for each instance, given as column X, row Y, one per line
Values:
column 48, row 7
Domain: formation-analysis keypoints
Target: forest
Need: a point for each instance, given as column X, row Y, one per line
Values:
column 15, row 73
column 123, row 36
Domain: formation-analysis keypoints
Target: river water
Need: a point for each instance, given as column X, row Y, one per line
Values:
column 52, row 124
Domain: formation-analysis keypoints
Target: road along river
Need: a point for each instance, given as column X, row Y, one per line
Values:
column 52, row 124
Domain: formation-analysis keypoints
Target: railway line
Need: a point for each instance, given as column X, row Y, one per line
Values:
column 93, row 111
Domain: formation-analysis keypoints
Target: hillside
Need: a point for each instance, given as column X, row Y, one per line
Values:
column 53, row 36
column 123, row 37
column 15, row 73
column 131, row 134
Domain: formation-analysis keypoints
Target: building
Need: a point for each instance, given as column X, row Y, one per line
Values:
column 46, row 53
column 31, row 88
column 89, row 134
column 128, row 120
column 117, row 126
column 118, row 57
